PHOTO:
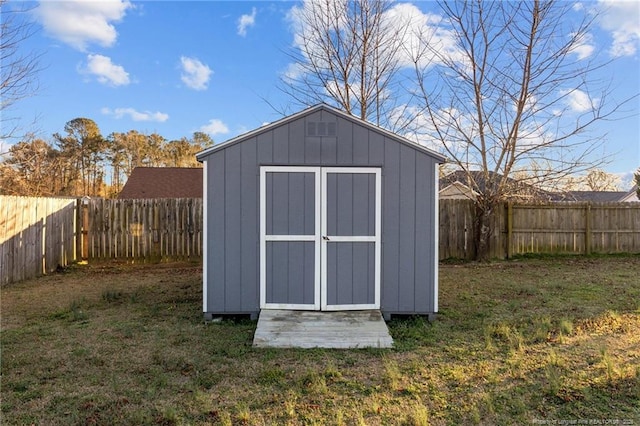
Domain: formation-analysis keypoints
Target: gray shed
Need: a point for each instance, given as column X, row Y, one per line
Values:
column 320, row 211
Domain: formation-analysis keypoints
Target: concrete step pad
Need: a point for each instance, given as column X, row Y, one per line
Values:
column 315, row 329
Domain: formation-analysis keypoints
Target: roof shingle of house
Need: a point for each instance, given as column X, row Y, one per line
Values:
column 163, row 182
column 596, row 196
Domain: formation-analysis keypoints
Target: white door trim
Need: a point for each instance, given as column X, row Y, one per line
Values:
column 356, row 238
column 264, row 237
column 320, row 246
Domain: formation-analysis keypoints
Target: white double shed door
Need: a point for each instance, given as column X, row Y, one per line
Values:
column 320, row 238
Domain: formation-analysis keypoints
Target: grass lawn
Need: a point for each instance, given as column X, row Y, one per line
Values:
column 533, row 341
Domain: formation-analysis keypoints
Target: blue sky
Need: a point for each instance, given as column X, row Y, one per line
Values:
column 179, row 67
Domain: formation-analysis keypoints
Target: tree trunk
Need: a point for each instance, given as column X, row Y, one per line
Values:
column 484, row 215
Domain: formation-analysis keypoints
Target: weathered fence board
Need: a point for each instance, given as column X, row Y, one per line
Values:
column 148, row 230
column 571, row 228
column 39, row 234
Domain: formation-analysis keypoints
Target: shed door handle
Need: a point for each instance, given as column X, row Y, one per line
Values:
column 324, row 237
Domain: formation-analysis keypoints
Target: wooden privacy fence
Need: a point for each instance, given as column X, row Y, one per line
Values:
column 567, row 228
column 151, row 229
column 39, row 234
column 36, row 236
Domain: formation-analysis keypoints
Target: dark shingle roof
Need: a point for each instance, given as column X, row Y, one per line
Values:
column 514, row 189
column 596, row 196
column 163, row 182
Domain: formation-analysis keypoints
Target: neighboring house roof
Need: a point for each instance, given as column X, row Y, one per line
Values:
column 631, row 196
column 596, row 196
column 456, row 185
column 457, row 191
column 515, row 189
column 202, row 154
column 163, row 182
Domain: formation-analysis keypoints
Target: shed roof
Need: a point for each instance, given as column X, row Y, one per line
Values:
column 163, row 182
column 319, row 107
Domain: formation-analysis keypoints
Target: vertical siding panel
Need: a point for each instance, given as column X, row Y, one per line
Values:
column 296, row 142
column 216, row 229
column 328, row 151
column 295, row 272
column 295, row 213
column 280, row 145
column 390, row 227
column 424, row 233
column 344, row 204
column 360, row 144
column 345, row 142
column 312, row 151
column 407, row 242
column 249, row 224
column 233, row 194
column 264, row 143
column 363, row 202
column 377, row 147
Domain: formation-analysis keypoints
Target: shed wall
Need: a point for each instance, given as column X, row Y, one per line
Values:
column 408, row 214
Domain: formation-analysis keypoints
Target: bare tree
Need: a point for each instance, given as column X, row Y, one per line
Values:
column 346, row 54
column 18, row 75
column 516, row 91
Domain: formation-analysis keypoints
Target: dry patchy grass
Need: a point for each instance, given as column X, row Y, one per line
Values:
column 523, row 342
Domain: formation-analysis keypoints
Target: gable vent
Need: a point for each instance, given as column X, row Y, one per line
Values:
column 321, row 128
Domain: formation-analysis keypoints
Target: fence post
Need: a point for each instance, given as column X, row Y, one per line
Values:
column 587, row 230
column 509, row 229
column 78, row 236
column 85, row 229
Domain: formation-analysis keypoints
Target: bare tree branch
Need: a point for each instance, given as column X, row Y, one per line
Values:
column 18, row 70
column 516, row 96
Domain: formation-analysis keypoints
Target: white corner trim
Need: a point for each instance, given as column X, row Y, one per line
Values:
column 205, row 235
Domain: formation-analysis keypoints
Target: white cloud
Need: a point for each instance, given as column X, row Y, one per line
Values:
column 119, row 113
column 195, row 74
column 4, row 147
column 622, row 20
column 246, row 21
column 106, row 71
column 215, row 127
column 584, row 47
column 415, row 28
column 80, row 23
column 579, row 101
column 404, row 21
